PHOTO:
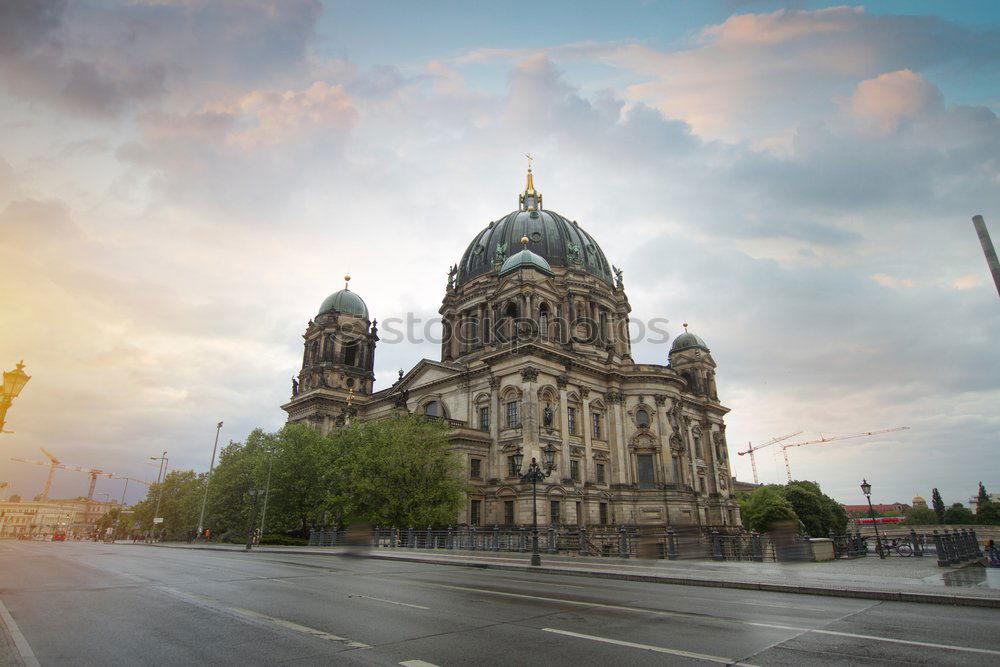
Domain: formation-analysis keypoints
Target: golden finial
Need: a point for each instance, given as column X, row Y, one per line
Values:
column 685, row 327
column 524, row 241
column 529, row 189
column 347, row 280
column 350, row 398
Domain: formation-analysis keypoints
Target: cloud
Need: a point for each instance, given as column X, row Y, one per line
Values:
column 886, row 280
column 892, row 97
column 970, row 281
column 103, row 61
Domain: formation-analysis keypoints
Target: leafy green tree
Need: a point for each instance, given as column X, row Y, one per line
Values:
column 818, row 512
column 921, row 516
column 937, row 504
column 179, row 496
column 983, row 497
column 958, row 514
column 765, row 507
column 988, row 514
column 395, row 472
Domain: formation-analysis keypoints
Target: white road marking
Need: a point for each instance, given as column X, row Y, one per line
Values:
column 647, row 647
column 951, row 647
column 417, row 663
column 735, row 621
column 21, row 644
column 205, row 601
column 402, row 604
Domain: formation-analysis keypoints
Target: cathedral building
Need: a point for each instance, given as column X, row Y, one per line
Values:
column 536, row 355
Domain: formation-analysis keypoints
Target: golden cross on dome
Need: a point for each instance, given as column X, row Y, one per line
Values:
column 528, row 155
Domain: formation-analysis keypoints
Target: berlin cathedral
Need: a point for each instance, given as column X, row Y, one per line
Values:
column 536, row 355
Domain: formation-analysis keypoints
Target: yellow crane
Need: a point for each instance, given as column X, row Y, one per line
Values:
column 822, row 439
column 55, row 463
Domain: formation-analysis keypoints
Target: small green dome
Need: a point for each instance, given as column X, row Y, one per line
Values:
column 525, row 259
column 686, row 340
column 345, row 301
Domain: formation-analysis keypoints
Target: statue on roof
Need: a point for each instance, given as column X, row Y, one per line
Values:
column 618, row 276
column 501, row 254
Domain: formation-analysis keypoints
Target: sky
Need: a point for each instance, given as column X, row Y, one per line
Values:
column 183, row 182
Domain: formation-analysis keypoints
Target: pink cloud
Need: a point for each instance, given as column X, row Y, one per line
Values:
column 892, row 97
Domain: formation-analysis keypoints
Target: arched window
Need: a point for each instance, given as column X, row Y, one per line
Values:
column 642, row 418
column 432, row 409
column 351, row 354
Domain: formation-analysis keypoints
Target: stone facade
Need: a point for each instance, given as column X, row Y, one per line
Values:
column 536, row 352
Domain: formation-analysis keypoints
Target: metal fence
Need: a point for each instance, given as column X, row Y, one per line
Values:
column 951, row 547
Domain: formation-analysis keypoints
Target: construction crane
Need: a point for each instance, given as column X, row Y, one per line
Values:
column 127, row 480
column 751, row 449
column 785, row 448
column 55, row 463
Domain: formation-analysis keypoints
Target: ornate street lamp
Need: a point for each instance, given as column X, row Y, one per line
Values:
column 534, row 475
column 13, row 383
column 866, row 489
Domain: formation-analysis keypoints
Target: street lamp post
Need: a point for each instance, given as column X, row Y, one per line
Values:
column 535, row 474
column 253, row 493
column 267, row 489
column 159, row 488
column 866, row 489
column 13, row 383
column 208, row 480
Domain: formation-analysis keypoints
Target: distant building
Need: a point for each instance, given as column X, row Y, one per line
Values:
column 918, row 501
column 882, row 508
column 76, row 516
column 744, row 487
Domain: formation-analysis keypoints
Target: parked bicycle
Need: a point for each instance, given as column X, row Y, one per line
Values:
column 900, row 545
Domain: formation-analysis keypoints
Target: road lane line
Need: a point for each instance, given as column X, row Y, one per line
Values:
column 21, row 644
column 735, row 621
column 909, row 642
column 647, row 647
column 205, row 601
column 417, row 663
column 402, row 604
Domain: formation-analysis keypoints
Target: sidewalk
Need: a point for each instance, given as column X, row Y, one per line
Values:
column 898, row 579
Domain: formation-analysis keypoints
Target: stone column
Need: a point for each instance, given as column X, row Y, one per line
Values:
column 561, row 382
column 499, row 464
column 529, row 414
column 588, row 451
column 616, row 438
column 663, row 433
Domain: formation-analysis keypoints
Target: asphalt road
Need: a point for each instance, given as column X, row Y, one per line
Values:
column 94, row 604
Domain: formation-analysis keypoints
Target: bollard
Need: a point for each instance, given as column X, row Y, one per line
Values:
column 918, row 552
column 955, row 556
column 717, row 546
column 671, row 544
column 410, row 541
column 450, row 544
column 583, row 540
column 756, row 552
column 496, row 537
column 522, row 540
column 393, row 537
column 622, row 542
column 942, row 557
column 833, row 541
column 552, row 540
column 970, row 547
column 333, row 537
column 472, row 538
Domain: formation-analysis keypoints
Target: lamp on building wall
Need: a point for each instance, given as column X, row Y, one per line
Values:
column 535, row 474
column 866, row 489
column 13, row 383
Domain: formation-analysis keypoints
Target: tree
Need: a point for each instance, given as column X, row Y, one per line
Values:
column 988, row 514
column 983, row 497
column 937, row 504
column 921, row 516
column 766, row 507
column 819, row 513
column 958, row 514
column 395, row 472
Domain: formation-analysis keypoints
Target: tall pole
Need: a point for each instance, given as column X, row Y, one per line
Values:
column 267, row 490
column 204, row 500
column 988, row 250
column 878, row 540
column 535, row 558
column 124, row 492
column 159, row 487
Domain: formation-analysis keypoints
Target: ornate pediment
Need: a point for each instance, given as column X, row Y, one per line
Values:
column 676, row 444
column 644, row 440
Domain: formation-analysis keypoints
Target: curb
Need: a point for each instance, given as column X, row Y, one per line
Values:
column 856, row 593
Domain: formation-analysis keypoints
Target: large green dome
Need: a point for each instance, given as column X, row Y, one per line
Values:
column 560, row 242
column 345, row 301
